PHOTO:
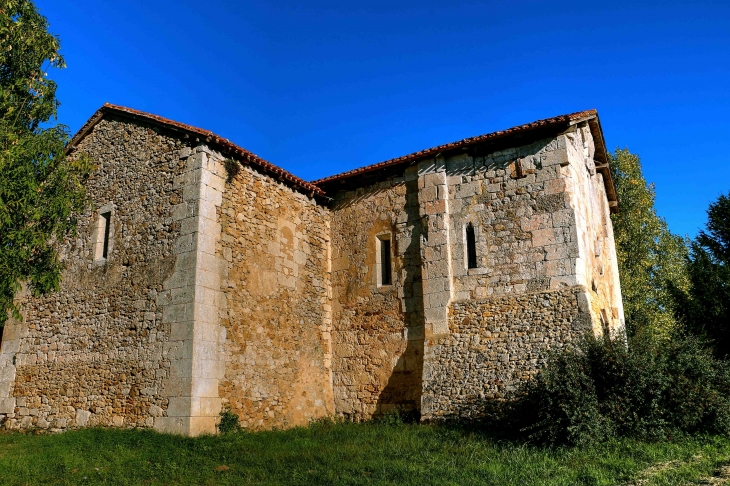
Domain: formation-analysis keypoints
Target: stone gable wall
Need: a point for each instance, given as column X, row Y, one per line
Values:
column 97, row 352
column 277, row 352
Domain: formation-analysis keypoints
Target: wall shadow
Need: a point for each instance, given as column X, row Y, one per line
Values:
column 402, row 392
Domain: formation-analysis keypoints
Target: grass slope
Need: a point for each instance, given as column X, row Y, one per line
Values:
column 346, row 454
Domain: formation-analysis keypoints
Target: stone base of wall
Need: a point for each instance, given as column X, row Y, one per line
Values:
column 496, row 344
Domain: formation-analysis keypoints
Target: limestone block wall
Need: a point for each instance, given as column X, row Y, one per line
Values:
column 436, row 245
column 526, row 234
column 596, row 265
column 496, row 343
column 377, row 332
column 533, row 214
column 98, row 352
column 275, row 244
column 192, row 300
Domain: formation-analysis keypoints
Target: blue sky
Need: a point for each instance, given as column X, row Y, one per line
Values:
column 322, row 87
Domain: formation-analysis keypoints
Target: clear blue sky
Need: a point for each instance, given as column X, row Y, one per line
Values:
column 321, row 87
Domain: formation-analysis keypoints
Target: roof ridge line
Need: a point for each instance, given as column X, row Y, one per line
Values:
column 210, row 136
column 576, row 117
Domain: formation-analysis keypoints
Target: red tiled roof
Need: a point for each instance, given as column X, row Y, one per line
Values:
column 314, row 188
column 591, row 116
column 579, row 116
column 210, row 137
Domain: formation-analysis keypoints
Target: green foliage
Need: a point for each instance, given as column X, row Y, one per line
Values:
column 651, row 260
column 232, row 169
column 40, row 188
column 346, row 453
column 601, row 389
column 228, row 422
column 705, row 308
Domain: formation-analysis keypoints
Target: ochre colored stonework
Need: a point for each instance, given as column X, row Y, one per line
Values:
column 277, row 350
column 377, row 329
column 231, row 283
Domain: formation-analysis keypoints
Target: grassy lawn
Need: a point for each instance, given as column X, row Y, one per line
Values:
column 348, row 454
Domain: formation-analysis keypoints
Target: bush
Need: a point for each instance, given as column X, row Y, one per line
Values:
column 601, row 389
column 228, row 422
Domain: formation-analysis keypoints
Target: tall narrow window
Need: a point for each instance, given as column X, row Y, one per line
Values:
column 107, row 219
column 102, row 236
column 386, row 277
column 471, row 247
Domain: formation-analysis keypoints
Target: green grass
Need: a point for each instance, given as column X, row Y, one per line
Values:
column 346, row 454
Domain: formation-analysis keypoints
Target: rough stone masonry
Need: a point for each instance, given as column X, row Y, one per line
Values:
column 204, row 277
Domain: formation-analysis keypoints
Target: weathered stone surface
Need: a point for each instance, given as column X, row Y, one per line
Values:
column 240, row 289
column 377, row 329
column 96, row 348
column 495, row 344
column 275, row 249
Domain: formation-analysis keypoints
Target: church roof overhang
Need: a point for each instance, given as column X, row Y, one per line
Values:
column 483, row 144
column 225, row 146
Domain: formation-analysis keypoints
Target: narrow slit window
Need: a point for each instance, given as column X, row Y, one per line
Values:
column 471, row 247
column 106, row 220
column 102, row 238
column 385, row 271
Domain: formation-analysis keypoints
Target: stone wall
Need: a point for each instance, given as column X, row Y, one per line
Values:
column 526, row 214
column 236, row 289
column 596, row 265
column 377, row 329
column 524, row 223
column 495, row 344
column 275, row 245
column 98, row 351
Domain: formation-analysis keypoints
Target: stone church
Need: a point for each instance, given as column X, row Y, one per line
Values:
column 204, row 277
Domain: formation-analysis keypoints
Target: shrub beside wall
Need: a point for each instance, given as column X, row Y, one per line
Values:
column 601, row 389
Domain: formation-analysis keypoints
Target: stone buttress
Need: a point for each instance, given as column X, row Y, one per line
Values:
column 192, row 300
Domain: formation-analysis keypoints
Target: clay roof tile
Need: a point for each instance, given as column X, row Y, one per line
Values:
column 207, row 135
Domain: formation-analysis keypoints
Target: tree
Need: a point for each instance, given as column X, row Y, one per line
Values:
column 705, row 309
column 651, row 259
column 40, row 189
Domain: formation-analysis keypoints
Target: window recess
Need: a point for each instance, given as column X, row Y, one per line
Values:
column 385, row 274
column 471, row 247
column 102, row 236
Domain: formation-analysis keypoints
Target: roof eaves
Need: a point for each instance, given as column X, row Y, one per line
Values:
column 228, row 147
column 572, row 118
column 589, row 116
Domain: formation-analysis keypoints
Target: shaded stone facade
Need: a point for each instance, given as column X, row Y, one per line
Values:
column 203, row 277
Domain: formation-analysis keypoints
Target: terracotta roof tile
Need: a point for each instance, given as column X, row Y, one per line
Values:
column 210, row 137
column 314, row 188
column 422, row 154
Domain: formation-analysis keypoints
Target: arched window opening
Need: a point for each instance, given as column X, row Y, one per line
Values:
column 471, row 247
